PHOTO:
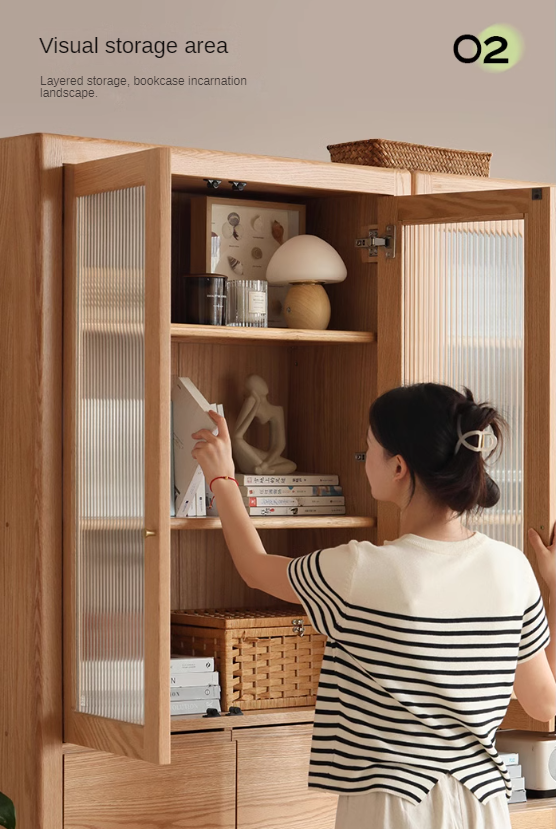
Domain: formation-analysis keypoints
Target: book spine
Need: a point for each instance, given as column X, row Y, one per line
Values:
column 286, row 480
column 296, row 510
column 190, row 678
column 289, row 491
column 271, row 502
column 200, row 692
column 191, row 664
column 194, row 706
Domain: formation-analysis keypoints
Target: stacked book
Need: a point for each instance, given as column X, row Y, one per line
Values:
column 295, row 494
column 511, row 761
column 194, row 685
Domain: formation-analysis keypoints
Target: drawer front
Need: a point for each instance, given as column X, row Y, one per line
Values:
column 272, row 792
column 103, row 791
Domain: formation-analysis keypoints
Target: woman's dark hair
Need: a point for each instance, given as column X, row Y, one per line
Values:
column 419, row 422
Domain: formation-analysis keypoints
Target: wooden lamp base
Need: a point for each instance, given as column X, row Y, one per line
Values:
column 307, row 306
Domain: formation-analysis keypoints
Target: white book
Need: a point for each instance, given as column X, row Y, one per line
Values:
column 195, row 692
column 196, row 664
column 278, row 501
column 193, row 706
column 510, row 758
column 285, row 480
column 172, row 487
column 188, row 679
column 296, row 510
column 518, row 797
column 201, row 495
column 290, row 491
column 190, row 415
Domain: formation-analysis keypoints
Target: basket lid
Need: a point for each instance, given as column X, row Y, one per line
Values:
column 241, row 617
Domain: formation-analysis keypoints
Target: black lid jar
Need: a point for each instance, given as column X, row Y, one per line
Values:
column 204, row 299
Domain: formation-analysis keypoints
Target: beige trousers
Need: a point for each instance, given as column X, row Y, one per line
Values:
column 449, row 805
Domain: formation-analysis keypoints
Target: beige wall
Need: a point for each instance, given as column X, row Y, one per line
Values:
column 318, row 73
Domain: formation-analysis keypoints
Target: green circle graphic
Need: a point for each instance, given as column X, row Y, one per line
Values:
column 513, row 52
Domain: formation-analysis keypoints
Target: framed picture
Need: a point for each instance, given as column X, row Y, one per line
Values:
column 237, row 238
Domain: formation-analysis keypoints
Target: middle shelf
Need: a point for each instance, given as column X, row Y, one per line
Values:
column 273, row 522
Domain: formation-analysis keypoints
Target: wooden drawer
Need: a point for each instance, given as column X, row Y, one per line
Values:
column 272, row 793
column 103, row 791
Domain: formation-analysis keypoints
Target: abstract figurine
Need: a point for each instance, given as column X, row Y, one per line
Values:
column 248, row 459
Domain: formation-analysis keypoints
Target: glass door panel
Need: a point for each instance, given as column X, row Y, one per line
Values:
column 463, row 319
column 117, row 440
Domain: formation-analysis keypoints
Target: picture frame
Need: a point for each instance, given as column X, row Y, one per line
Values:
column 237, row 238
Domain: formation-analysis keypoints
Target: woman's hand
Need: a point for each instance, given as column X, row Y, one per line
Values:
column 546, row 557
column 214, row 452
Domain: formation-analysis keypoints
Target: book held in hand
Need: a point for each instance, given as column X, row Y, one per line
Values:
column 190, row 410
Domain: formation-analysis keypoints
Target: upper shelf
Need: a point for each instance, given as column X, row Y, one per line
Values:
column 285, row 336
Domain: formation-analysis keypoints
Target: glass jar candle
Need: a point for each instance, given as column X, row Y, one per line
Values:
column 247, row 303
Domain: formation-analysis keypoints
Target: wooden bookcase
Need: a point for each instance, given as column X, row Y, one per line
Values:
column 334, row 375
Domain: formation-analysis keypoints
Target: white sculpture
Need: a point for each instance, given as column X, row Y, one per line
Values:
column 248, row 459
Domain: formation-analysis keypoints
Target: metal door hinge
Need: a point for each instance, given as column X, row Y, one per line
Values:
column 373, row 241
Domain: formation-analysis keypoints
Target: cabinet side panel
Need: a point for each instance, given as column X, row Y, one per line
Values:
column 30, row 495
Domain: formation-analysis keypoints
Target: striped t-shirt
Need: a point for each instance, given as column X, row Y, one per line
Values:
column 423, row 641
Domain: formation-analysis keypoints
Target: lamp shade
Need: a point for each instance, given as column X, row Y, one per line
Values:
column 305, row 258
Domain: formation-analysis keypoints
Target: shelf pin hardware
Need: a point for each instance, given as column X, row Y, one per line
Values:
column 238, row 185
column 213, row 183
column 149, row 533
column 360, row 456
column 536, row 194
column 373, row 241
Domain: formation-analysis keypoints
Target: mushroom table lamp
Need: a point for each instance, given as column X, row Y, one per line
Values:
column 306, row 262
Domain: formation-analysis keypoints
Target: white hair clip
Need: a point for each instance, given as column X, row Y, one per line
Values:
column 482, row 447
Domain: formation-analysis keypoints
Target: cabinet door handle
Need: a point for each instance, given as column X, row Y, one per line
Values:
column 149, row 533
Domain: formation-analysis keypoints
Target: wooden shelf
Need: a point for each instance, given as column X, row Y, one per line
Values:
column 280, row 523
column 278, row 336
column 269, row 716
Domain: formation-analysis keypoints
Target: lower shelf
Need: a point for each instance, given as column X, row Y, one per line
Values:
column 249, row 719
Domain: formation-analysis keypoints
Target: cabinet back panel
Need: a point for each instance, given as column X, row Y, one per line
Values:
column 331, row 390
column 206, row 576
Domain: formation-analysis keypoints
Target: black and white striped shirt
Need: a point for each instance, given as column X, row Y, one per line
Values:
column 423, row 641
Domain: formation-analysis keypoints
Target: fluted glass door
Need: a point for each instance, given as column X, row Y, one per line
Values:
column 468, row 299
column 117, row 437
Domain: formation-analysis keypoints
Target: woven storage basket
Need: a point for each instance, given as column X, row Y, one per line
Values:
column 379, row 152
column 263, row 660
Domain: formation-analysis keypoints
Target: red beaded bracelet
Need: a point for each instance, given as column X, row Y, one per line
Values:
column 222, row 477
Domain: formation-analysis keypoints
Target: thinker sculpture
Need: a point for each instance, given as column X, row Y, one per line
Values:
column 249, row 459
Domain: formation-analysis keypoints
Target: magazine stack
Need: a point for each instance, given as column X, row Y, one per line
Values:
column 194, row 685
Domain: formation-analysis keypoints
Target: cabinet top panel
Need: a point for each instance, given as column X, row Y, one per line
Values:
column 262, row 173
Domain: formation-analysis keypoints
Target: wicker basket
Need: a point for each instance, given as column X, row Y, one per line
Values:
column 379, row 152
column 266, row 658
